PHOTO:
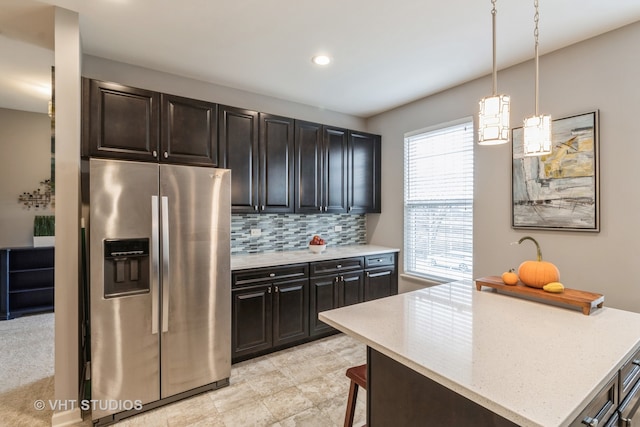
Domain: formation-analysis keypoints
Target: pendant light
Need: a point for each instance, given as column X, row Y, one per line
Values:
column 537, row 128
column 493, row 119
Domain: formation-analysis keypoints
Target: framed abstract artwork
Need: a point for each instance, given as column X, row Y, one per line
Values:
column 559, row 191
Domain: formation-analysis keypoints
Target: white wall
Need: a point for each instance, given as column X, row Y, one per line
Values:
column 25, row 142
column 601, row 73
column 67, row 268
column 103, row 69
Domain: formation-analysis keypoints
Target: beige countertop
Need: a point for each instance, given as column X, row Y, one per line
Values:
column 271, row 259
column 534, row 364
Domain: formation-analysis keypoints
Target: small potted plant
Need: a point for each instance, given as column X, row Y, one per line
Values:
column 44, row 230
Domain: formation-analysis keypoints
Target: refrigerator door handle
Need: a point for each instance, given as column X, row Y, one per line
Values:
column 154, row 264
column 165, row 263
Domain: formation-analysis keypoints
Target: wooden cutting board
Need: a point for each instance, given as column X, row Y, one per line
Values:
column 573, row 297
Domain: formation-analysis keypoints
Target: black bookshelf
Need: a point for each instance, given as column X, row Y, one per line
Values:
column 26, row 281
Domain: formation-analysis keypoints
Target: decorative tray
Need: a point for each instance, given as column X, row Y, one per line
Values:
column 582, row 299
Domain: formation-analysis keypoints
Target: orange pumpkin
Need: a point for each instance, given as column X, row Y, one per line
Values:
column 537, row 273
column 509, row 277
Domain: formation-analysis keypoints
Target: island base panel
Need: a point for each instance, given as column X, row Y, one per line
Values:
column 399, row 396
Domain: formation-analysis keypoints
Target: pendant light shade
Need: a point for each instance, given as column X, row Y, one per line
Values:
column 493, row 119
column 537, row 129
column 537, row 136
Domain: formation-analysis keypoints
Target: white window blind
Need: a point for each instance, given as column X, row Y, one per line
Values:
column 438, row 202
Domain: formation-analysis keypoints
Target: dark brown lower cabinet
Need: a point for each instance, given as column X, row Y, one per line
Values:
column 270, row 308
column 251, row 319
column 380, row 278
column 291, row 312
column 399, row 396
column 277, row 307
column 329, row 292
column 379, row 283
column 323, row 297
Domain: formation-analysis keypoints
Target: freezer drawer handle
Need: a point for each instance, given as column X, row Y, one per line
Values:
column 165, row 263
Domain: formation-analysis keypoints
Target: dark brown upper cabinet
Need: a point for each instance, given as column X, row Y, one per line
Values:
column 120, row 121
column 321, row 168
column 278, row 164
column 129, row 123
column 276, row 153
column 334, row 168
column 364, row 173
column 238, row 139
column 258, row 148
column 189, row 131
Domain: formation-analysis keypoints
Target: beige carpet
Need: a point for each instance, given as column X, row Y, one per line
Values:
column 26, row 370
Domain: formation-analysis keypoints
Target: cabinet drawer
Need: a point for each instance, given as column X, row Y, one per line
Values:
column 373, row 261
column 602, row 407
column 629, row 374
column 269, row 274
column 336, row 266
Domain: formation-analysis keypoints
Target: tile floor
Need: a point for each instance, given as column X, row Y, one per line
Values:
column 301, row 386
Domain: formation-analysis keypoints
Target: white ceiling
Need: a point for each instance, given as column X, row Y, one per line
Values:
column 386, row 53
column 26, row 52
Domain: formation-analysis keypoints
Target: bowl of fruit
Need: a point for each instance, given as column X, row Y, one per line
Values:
column 317, row 244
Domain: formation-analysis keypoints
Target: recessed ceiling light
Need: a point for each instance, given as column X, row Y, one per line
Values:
column 321, row 60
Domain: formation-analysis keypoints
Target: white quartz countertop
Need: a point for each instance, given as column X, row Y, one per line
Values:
column 534, row 364
column 271, row 259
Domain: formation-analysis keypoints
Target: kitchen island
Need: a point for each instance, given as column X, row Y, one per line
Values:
column 508, row 361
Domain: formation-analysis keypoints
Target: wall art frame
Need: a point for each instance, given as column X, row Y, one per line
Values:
column 559, row 191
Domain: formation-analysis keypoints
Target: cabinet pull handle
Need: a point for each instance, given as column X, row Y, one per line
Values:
column 368, row 274
column 272, row 274
column 154, row 153
column 339, row 266
column 269, row 290
column 320, row 208
column 636, row 362
column 166, row 155
column 262, row 207
column 591, row 422
column 277, row 290
column 255, row 208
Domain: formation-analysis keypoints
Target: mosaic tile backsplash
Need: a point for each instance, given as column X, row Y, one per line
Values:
column 286, row 232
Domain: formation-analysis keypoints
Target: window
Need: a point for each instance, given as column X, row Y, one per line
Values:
column 438, row 202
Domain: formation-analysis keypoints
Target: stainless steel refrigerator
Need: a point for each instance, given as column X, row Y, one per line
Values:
column 160, row 284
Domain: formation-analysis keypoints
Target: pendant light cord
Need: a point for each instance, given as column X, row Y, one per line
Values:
column 536, row 19
column 494, row 12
